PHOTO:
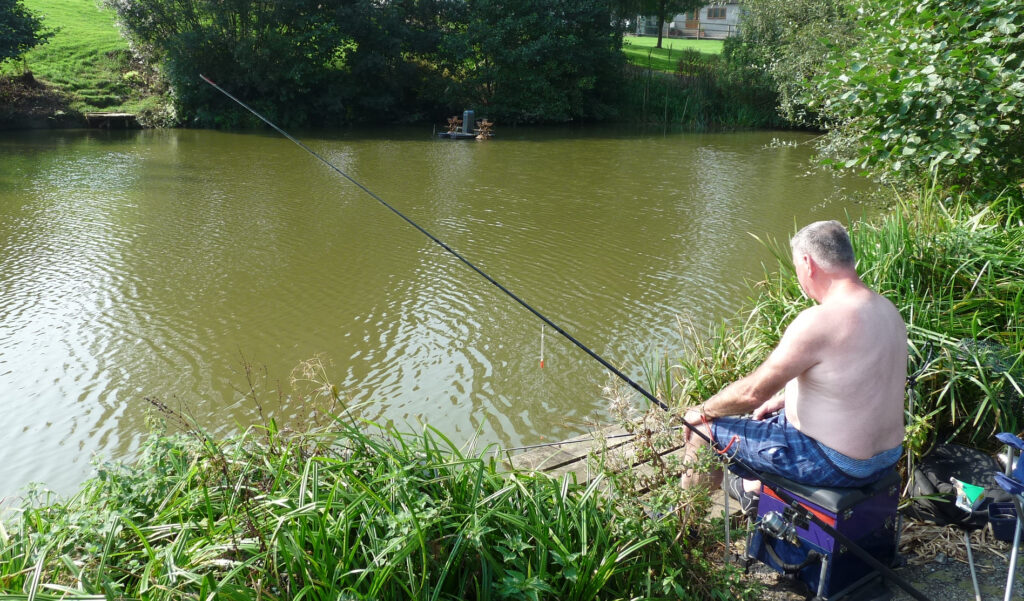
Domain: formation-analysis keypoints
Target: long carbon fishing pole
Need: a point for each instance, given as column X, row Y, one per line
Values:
column 768, row 479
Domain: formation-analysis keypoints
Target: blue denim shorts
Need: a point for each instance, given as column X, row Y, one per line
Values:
column 773, row 446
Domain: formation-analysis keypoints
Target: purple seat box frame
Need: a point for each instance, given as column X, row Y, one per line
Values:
column 867, row 516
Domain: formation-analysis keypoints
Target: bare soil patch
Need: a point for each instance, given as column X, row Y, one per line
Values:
column 27, row 103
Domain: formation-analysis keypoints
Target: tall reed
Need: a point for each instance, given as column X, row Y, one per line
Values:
column 355, row 511
column 705, row 93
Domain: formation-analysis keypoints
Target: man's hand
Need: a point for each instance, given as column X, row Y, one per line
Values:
column 769, row 407
column 695, row 418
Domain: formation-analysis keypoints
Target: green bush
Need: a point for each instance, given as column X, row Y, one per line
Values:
column 20, row 30
column 934, row 87
column 309, row 62
column 543, row 60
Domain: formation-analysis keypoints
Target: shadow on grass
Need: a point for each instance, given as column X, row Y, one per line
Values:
column 26, row 103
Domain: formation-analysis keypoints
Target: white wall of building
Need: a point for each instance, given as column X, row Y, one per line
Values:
column 714, row 22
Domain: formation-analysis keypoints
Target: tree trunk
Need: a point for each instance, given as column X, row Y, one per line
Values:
column 661, row 20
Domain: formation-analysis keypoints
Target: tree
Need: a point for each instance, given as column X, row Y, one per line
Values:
column 788, row 41
column 543, row 60
column 934, row 89
column 327, row 61
column 20, row 30
column 665, row 9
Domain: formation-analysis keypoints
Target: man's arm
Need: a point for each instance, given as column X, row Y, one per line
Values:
column 797, row 352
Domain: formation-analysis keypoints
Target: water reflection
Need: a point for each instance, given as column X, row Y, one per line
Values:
column 139, row 265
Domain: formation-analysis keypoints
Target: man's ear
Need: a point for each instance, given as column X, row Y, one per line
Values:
column 811, row 264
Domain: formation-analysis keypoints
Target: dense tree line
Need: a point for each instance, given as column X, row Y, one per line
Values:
column 335, row 61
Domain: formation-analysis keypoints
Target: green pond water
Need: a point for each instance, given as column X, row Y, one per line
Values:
column 157, row 264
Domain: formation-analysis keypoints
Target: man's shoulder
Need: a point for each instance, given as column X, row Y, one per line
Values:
column 824, row 322
column 812, row 316
column 810, row 328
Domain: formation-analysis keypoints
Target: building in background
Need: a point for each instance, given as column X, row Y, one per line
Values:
column 717, row 21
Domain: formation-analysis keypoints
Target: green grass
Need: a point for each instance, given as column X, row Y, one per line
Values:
column 352, row 511
column 87, row 58
column 640, row 51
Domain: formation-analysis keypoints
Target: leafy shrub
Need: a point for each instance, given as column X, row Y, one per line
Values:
column 20, row 30
column 934, row 86
column 306, row 61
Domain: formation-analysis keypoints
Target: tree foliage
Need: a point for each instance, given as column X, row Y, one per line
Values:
column 934, row 86
column 787, row 41
column 273, row 53
column 20, row 30
column 543, row 60
column 303, row 61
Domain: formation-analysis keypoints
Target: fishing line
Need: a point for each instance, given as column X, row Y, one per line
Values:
column 455, row 254
column 767, row 479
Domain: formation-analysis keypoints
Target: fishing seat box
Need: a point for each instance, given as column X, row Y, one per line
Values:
column 867, row 516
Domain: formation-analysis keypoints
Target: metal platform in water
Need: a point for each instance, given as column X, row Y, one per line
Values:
column 456, row 135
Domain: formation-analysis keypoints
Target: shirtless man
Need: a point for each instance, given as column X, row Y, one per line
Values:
column 838, row 375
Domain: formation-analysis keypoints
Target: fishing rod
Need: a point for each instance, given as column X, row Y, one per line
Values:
column 766, row 478
column 451, row 251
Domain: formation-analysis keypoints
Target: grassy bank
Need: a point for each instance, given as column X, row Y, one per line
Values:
column 640, row 51
column 349, row 512
column 88, row 63
column 86, row 59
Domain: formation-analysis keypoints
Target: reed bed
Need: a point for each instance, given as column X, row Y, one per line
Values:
column 956, row 272
column 704, row 93
column 354, row 511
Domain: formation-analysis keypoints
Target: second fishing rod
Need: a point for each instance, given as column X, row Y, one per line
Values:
column 765, row 478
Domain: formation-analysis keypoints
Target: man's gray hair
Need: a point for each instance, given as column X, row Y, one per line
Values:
column 827, row 243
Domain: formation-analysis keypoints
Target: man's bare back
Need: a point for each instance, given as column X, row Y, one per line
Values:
column 851, row 399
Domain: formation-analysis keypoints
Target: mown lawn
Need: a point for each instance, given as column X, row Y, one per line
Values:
column 87, row 58
column 640, row 51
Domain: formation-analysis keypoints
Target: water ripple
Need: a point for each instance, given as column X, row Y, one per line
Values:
column 153, row 264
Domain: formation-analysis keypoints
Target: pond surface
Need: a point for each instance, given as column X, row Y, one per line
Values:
column 159, row 264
